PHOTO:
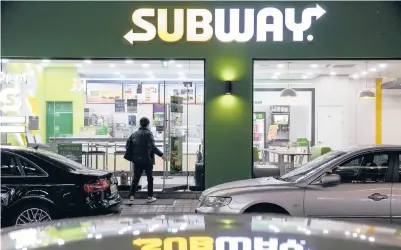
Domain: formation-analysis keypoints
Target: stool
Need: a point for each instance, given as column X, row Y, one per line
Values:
column 90, row 153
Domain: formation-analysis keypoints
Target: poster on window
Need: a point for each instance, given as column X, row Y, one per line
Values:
column 176, row 155
column 119, row 106
column 103, row 92
column 132, row 105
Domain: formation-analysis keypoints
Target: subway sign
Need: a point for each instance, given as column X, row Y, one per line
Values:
column 200, row 25
column 220, row 243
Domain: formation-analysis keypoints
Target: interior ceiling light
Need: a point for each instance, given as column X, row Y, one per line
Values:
column 313, row 65
column 288, row 92
column 373, row 69
column 280, row 66
column 304, row 77
column 112, row 65
column 333, row 73
column 45, row 61
column 382, row 65
column 178, row 66
column 128, row 61
column 4, row 60
column 145, row 65
column 366, row 94
column 78, row 65
column 87, row 61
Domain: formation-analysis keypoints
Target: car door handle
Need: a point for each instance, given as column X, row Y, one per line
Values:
column 378, row 197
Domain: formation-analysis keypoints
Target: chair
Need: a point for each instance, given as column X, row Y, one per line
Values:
column 90, row 153
column 117, row 152
column 317, row 151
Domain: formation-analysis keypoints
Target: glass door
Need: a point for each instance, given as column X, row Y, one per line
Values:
column 176, row 174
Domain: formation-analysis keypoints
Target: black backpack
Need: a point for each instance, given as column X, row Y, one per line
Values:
column 129, row 152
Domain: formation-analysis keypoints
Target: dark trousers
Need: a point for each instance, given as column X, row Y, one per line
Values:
column 138, row 170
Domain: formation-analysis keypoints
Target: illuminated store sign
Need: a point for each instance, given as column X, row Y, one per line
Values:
column 199, row 26
column 220, row 243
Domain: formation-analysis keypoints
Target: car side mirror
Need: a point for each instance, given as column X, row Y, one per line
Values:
column 330, row 180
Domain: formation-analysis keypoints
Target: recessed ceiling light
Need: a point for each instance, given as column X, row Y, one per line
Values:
column 373, row 69
column 87, row 61
column 314, row 65
column 4, row 60
column 280, row 66
column 45, row 61
column 333, row 73
column 145, row 65
column 178, row 66
column 78, row 65
column 128, row 61
column 304, row 77
column 382, row 65
column 364, row 73
column 112, row 65
column 355, row 76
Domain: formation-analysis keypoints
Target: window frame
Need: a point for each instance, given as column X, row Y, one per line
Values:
column 19, row 165
column 390, row 175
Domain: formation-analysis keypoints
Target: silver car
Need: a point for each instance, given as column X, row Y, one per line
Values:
column 356, row 183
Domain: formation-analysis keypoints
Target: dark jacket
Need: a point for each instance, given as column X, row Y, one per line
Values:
column 141, row 148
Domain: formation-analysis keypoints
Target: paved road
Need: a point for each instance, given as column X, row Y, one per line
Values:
column 185, row 206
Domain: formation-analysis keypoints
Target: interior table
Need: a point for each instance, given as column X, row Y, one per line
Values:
column 290, row 154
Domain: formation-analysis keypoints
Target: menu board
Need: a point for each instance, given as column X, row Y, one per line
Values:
column 103, row 92
column 143, row 92
column 130, row 91
column 72, row 151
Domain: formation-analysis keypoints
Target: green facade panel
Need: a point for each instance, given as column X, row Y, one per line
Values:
column 74, row 30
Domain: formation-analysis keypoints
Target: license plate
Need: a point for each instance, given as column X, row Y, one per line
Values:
column 113, row 189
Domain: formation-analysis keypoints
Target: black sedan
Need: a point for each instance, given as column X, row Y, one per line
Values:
column 38, row 186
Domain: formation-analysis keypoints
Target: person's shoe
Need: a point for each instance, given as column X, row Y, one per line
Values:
column 131, row 198
column 151, row 199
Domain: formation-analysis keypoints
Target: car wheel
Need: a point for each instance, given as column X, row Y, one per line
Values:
column 32, row 214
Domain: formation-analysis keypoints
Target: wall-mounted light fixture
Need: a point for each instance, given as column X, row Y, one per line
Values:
column 229, row 87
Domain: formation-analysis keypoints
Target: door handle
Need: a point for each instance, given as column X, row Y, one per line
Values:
column 377, row 197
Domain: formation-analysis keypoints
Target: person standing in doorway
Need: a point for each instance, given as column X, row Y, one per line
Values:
column 141, row 150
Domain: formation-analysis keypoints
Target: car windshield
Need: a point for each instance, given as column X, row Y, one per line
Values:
column 72, row 165
column 311, row 166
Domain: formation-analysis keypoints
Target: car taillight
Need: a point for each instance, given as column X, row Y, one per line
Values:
column 98, row 186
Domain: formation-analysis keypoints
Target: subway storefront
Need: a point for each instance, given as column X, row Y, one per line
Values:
column 78, row 76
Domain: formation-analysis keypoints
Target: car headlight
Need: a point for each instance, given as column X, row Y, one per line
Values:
column 216, row 201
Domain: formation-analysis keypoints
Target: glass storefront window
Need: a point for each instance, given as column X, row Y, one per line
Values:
column 86, row 110
column 303, row 109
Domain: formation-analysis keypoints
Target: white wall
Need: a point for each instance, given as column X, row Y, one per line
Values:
column 359, row 115
column 391, row 121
